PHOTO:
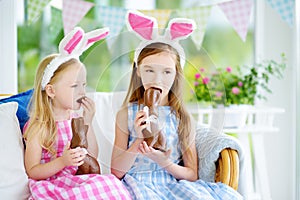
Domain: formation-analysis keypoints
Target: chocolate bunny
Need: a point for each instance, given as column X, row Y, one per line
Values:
column 79, row 139
column 152, row 134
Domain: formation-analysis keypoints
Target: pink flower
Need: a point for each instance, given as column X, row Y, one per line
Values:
column 196, row 83
column 218, row 94
column 235, row 90
column 228, row 69
column 197, row 75
column 240, row 83
column 202, row 69
column 205, row 80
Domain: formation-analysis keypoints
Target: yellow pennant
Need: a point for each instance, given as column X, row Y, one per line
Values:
column 162, row 16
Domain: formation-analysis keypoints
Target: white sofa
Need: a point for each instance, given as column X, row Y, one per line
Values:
column 13, row 178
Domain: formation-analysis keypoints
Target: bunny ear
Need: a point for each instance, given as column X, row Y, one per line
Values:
column 180, row 28
column 70, row 41
column 144, row 26
column 94, row 36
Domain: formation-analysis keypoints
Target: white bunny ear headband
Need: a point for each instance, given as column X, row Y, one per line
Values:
column 147, row 30
column 72, row 46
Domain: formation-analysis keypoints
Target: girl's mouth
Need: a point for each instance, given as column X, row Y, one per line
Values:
column 80, row 99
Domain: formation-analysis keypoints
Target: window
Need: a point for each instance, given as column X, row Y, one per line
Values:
column 109, row 68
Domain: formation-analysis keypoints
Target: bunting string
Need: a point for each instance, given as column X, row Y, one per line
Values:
column 238, row 13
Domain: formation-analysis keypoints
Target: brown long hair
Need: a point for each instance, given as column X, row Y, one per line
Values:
column 136, row 91
column 40, row 112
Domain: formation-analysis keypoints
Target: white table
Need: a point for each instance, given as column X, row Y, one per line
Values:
column 254, row 123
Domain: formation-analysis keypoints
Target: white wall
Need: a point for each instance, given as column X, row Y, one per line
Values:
column 274, row 37
column 8, row 47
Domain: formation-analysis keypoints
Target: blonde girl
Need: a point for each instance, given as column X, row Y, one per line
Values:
column 49, row 161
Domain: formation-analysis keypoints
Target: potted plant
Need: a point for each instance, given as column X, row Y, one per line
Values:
column 224, row 87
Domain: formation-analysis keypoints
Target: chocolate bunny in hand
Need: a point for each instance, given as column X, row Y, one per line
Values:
column 79, row 139
column 152, row 134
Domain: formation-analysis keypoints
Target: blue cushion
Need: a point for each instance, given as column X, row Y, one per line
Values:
column 22, row 99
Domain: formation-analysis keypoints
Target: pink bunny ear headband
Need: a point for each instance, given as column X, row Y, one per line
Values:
column 147, row 30
column 72, row 46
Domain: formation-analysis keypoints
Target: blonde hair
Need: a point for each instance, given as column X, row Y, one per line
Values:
column 41, row 117
column 136, row 91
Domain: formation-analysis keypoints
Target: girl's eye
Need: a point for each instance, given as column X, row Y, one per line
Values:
column 149, row 70
column 74, row 86
column 167, row 72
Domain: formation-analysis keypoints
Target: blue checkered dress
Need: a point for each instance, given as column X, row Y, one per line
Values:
column 147, row 180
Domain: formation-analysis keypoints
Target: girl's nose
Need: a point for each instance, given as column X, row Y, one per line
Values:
column 158, row 78
column 82, row 90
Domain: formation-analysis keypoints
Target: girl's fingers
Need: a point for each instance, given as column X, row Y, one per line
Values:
column 78, row 160
column 88, row 103
column 75, row 150
column 141, row 149
column 141, row 121
column 141, row 124
column 146, row 147
column 79, row 163
column 77, row 153
column 151, row 149
column 139, row 115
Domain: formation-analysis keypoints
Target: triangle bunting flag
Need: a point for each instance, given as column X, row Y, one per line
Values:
column 35, row 7
column 73, row 11
column 238, row 13
column 285, row 9
column 114, row 18
column 200, row 15
column 162, row 16
column 56, row 22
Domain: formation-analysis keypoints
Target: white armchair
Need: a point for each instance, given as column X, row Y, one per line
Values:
column 13, row 179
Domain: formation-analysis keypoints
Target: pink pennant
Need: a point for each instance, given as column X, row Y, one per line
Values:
column 73, row 11
column 180, row 30
column 238, row 13
column 141, row 25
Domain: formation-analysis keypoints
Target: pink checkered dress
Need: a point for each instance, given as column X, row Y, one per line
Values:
column 67, row 185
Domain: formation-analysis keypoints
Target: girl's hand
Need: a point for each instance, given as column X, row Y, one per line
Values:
column 73, row 157
column 89, row 110
column 139, row 123
column 161, row 158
